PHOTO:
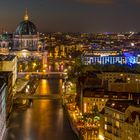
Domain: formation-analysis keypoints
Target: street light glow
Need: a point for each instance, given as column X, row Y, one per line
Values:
column 101, row 137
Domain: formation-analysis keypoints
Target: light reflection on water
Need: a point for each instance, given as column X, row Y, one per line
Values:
column 43, row 88
column 49, row 86
column 44, row 120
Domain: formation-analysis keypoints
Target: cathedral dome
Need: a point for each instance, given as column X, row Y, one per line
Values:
column 26, row 27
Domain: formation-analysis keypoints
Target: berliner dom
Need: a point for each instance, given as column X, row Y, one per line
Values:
column 26, row 35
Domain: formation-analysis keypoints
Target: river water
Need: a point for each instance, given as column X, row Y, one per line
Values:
column 44, row 120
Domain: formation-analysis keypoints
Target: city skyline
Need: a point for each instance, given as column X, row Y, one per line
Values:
column 74, row 15
column 70, row 70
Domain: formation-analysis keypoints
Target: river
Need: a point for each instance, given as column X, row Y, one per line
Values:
column 44, row 120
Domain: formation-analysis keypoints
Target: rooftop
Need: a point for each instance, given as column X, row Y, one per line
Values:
column 7, row 57
column 120, row 105
column 131, row 119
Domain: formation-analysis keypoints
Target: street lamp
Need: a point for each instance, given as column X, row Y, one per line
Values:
column 101, row 137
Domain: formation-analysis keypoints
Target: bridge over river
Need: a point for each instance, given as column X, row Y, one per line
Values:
column 45, row 75
column 38, row 97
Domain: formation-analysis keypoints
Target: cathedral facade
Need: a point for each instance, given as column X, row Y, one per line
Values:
column 26, row 35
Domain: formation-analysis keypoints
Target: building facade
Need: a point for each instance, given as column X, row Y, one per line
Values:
column 112, row 76
column 3, row 89
column 109, row 57
column 26, row 35
column 7, row 78
column 117, row 125
column 9, row 63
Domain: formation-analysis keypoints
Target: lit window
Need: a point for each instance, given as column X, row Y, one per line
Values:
column 117, row 124
column 85, row 107
column 103, row 100
column 113, row 104
column 117, row 116
column 129, row 138
column 128, row 79
column 105, row 127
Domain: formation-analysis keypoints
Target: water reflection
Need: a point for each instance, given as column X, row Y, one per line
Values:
column 43, row 88
column 44, row 120
column 49, row 86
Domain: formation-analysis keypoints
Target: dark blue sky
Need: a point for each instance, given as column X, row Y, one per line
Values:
column 73, row 15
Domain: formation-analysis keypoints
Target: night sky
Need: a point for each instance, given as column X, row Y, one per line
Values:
column 73, row 15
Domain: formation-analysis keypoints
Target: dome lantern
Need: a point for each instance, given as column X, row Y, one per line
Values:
column 26, row 17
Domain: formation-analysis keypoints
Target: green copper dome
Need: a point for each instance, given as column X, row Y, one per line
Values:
column 26, row 28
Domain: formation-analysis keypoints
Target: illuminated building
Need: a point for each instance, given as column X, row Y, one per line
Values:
column 138, row 59
column 4, row 51
column 102, row 52
column 6, row 40
column 93, row 59
column 122, row 120
column 45, row 59
column 112, row 76
column 92, row 90
column 87, row 88
column 9, row 63
column 26, row 35
column 2, row 108
column 109, row 57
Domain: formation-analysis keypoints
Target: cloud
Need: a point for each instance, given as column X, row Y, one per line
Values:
column 97, row 1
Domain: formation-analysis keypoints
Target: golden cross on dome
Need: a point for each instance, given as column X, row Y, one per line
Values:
column 26, row 17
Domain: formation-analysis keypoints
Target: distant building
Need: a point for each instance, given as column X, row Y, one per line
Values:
column 97, row 59
column 6, row 40
column 26, row 35
column 108, row 57
column 9, row 63
column 123, row 86
column 3, row 89
column 112, row 76
column 85, row 83
column 122, row 81
column 97, row 90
